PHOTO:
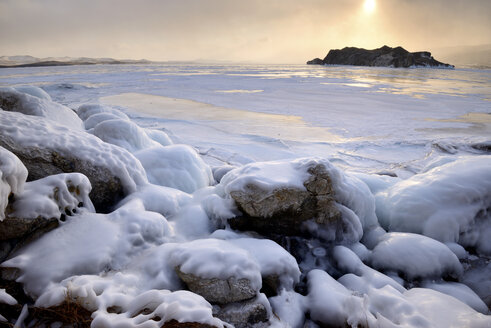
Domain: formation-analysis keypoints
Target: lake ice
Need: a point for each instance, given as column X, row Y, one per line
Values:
column 407, row 151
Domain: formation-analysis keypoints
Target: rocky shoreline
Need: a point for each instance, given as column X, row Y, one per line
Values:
column 117, row 223
column 381, row 57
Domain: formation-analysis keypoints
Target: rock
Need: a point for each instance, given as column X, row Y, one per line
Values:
column 315, row 61
column 47, row 148
column 14, row 227
column 283, row 210
column 216, row 290
column 246, row 314
column 384, row 56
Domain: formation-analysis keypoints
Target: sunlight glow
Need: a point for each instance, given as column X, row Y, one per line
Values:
column 369, row 6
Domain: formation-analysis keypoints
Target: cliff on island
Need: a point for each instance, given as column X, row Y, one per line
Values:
column 384, row 56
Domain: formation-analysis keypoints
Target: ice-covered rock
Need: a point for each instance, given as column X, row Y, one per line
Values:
column 415, row 256
column 332, row 304
column 159, row 136
column 92, row 121
column 175, row 166
column 217, row 270
column 88, row 243
column 13, row 175
column 34, row 91
column 460, row 292
column 289, row 197
column 53, row 196
column 252, row 313
column 445, row 311
column 15, row 101
column 116, row 301
column 164, row 200
column 47, row 148
column 122, row 133
column 279, row 269
column 450, row 203
column 87, row 110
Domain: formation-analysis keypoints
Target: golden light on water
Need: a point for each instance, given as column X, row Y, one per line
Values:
column 369, row 6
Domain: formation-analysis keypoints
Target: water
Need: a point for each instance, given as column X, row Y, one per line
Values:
column 366, row 119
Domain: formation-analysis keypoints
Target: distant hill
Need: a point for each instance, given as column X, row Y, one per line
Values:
column 30, row 61
column 384, row 57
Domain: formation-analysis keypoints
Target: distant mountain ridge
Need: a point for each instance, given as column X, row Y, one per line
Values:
column 384, row 57
column 30, row 61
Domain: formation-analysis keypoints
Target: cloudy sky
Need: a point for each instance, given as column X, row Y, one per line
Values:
column 247, row 30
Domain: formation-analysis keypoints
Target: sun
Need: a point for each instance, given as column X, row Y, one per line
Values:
column 369, row 6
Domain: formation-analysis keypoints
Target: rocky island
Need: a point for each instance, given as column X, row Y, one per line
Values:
column 384, row 56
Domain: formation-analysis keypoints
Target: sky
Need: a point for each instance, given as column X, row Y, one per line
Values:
column 269, row 31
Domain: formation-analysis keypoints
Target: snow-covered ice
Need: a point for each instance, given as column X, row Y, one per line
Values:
column 407, row 156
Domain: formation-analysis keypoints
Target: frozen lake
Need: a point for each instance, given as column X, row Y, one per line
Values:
column 368, row 119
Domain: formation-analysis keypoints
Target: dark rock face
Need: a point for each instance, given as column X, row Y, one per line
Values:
column 246, row 314
column 385, row 57
column 222, row 291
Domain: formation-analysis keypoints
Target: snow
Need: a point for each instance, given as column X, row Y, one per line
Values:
column 175, row 166
column 39, row 105
column 13, row 175
column 414, row 256
column 449, row 203
column 53, row 196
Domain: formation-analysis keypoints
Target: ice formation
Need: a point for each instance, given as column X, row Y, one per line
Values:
column 449, row 203
column 13, row 175
column 53, row 196
column 176, row 166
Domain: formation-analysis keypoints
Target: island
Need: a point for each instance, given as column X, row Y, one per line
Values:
column 384, row 57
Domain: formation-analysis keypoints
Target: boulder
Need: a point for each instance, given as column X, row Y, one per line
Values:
column 283, row 208
column 217, row 290
column 384, row 56
column 47, row 148
column 246, row 314
column 305, row 197
column 216, row 269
